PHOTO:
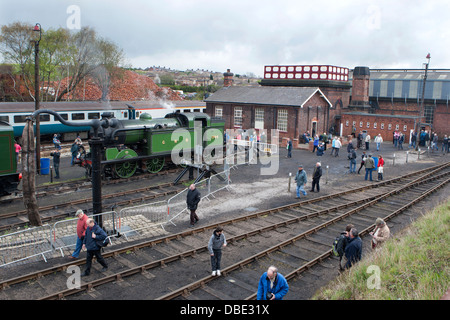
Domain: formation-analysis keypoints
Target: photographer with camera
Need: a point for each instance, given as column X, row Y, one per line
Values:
column 272, row 285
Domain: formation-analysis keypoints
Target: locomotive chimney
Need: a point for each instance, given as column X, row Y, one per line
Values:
column 227, row 78
column 360, row 87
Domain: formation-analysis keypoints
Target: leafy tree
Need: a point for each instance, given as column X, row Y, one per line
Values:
column 66, row 58
column 17, row 48
column 167, row 79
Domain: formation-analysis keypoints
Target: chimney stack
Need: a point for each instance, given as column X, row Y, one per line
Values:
column 227, row 78
column 360, row 87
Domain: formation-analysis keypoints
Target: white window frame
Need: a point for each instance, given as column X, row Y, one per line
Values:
column 282, row 120
column 218, row 112
column 237, row 118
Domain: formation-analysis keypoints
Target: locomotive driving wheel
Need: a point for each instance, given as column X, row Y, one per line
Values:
column 155, row 165
column 126, row 169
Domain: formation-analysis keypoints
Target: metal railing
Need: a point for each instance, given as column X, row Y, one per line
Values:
column 131, row 222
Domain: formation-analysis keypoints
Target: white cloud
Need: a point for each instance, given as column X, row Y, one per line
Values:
column 246, row 35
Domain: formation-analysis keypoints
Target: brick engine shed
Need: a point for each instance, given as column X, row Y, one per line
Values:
column 320, row 98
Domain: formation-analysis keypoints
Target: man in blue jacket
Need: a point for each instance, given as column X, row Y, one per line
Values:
column 93, row 234
column 353, row 250
column 272, row 285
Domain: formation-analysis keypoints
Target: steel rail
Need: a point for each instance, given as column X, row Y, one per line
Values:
column 191, row 232
column 329, row 253
column 185, row 290
column 235, row 266
column 86, row 200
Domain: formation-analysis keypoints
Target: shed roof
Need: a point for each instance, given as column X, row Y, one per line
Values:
column 265, row 95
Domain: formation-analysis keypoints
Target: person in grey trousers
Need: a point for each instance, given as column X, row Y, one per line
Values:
column 215, row 245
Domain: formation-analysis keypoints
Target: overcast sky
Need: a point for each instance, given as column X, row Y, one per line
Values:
column 246, row 35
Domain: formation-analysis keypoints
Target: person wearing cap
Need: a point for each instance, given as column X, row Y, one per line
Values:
column 380, row 234
column 81, row 232
column 300, row 178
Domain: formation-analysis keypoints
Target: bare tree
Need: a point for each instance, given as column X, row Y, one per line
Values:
column 110, row 57
column 82, row 58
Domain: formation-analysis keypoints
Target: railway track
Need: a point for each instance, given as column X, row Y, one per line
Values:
column 15, row 219
column 67, row 186
column 294, row 237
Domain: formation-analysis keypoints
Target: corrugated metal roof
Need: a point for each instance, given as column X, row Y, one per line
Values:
column 265, row 95
column 408, row 83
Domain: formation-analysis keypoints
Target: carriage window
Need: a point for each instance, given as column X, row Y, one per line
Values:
column 95, row 115
column 44, row 117
column 77, row 116
column 196, row 110
column 64, row 116
column 4, row 118
column 20, row 119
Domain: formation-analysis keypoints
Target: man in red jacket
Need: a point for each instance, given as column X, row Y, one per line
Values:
column 81, row 232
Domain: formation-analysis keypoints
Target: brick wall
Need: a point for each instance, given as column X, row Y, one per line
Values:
column 299, row 119
column 377, row 124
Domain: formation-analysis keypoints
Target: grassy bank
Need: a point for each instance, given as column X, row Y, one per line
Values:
column 412, row 265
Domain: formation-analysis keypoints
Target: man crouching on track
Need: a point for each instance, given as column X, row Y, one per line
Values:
column 93, row 233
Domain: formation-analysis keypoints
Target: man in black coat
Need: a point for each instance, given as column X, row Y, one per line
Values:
column 93, row 234
column 353, row 250
column 56, row 159
column 192, row 200
column 316, row 177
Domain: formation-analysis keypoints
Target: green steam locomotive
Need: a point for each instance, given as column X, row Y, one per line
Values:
column 9, row 178
column 148, row 144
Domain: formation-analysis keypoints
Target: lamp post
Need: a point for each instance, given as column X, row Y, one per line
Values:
column 96, row 143
column 37, row 28
column 421, row 108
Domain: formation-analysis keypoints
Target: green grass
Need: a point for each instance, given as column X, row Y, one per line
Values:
column 413, row 265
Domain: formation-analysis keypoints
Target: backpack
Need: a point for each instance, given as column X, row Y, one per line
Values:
column 102, row 243
column 339, row 245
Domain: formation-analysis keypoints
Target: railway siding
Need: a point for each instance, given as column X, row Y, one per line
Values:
column 258, row 238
